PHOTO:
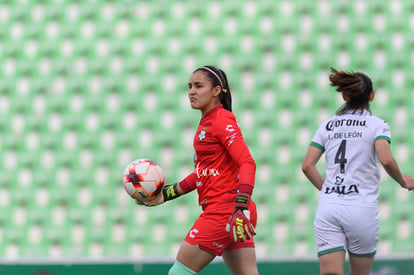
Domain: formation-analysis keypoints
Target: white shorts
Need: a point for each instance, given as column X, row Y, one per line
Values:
column 346, row 227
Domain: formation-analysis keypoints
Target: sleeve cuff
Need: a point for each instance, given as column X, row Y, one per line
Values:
column 245, row 188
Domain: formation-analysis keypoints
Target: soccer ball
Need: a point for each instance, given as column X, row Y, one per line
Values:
column 143, row 179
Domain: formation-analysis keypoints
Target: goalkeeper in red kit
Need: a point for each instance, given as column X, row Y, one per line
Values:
column 224, row 177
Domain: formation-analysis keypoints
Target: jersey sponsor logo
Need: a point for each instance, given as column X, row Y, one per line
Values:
column 192, row 233
column 342, row 190
column 332, row 124
column 202, row 134
column 230, row 139
column 205, row 172
column 229, row 128
column 199, row 183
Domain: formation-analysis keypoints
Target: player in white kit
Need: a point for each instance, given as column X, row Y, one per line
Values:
column 354, row 140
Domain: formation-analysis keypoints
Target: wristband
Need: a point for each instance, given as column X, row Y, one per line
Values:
column 242, row 200
column 170, row 192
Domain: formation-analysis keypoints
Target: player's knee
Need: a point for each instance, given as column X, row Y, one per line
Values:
column 180, row 269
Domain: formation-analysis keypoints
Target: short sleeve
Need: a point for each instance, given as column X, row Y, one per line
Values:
column 318, row 139
column 383, row 131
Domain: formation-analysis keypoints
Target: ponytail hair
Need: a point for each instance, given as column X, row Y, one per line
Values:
column 218, row 78
column 356, row 86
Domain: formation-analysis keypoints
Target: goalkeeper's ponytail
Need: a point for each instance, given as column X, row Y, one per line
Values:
column 225, row 98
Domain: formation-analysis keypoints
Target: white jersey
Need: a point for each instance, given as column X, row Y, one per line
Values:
column 352, row 169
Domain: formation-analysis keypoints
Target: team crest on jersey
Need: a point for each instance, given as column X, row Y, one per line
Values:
column 202, row 134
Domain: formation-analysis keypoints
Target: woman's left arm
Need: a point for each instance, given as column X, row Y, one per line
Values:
column 239, row 226
column 231, row 137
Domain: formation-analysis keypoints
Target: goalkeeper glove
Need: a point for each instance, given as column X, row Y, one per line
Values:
column 239, row 226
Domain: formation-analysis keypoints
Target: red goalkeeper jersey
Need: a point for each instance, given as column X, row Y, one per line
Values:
column 222, row 162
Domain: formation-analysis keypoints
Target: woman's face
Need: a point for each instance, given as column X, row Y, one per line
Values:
column 203, row 96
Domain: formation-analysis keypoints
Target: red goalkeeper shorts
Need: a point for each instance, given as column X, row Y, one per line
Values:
column 209, row 231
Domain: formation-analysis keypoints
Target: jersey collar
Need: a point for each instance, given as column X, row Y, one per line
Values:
column 364, row 112
column 212, row 111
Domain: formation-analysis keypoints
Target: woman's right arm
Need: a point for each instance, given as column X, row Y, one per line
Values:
column 390, row 165
column 172, row 191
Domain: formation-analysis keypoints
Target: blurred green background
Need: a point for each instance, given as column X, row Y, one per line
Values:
column 88, row 86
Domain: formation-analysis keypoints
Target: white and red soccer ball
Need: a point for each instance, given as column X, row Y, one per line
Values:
column 143, row 179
